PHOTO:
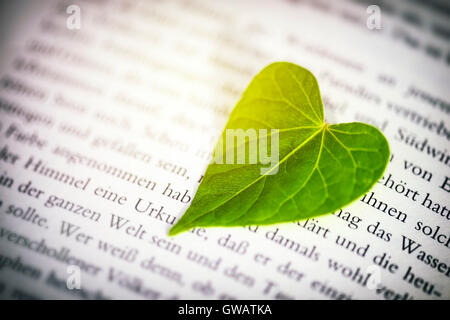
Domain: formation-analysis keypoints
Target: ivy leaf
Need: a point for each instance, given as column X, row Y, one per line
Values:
column 320, row 167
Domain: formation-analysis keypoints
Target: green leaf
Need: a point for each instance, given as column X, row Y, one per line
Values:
column 320, row 167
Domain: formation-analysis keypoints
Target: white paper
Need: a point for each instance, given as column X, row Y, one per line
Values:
column 97, row 123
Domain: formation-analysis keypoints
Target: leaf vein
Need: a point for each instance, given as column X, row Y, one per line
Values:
column 290, row 103
column 319, row 154
column 345, row 147
column 264, row 176
column 307, row 97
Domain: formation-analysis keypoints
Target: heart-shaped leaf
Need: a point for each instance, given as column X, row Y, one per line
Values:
column 309, row 168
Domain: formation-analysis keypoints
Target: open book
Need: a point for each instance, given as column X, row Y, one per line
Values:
column 109, row 112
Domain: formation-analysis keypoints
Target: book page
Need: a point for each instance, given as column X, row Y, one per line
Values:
column 109, row 112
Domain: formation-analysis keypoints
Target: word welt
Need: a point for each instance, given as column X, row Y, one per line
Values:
column 232, row 148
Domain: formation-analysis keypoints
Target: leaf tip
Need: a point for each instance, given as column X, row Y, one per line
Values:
column 177, row 229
